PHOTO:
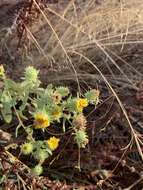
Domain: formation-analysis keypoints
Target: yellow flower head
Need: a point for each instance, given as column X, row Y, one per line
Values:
column 53, row 143
column 81, row 103
column 2, row 71
column 41, row 120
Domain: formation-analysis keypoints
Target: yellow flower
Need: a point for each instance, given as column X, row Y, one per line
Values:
column 41, row 120
column 81, row 103
column 2, row 71
column 53, row 143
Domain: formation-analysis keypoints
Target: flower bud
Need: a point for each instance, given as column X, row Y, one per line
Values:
column 40, row 155
column 37, row 170
column 79, row 122
column 31, row 74
column 81, row 138
column 26, row 148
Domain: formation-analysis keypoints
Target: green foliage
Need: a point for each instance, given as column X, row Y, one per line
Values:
column 28, row 101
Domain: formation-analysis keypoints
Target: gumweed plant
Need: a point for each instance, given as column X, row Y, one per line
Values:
column 38, row 108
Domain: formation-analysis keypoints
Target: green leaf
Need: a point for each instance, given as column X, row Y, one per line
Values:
column 7, row 113
column 10, row 84
column 24, row 102
column 7, row 103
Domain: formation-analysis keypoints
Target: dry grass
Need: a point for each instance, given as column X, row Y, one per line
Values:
column 80, row 27
column 115, row 26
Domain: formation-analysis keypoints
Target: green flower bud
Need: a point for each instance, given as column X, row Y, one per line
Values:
column 26, row 148
column 37, row 170
column 31, row 74
column 63, row 91
column 81, row 138
column 93, row 96
column 40, row 155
